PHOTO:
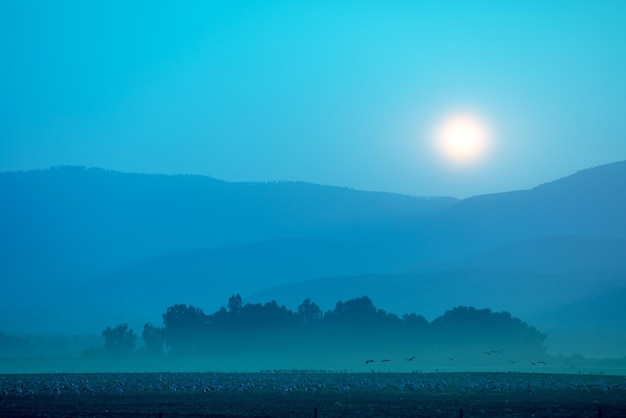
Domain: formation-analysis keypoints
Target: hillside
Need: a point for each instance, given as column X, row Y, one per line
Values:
column 578, row 311
column 208, row 277
column 549, row 254
column 65, row 229
column 588, row 203
column 106, row 219
column 595, row 325
column 524, row 293
column 80, row 247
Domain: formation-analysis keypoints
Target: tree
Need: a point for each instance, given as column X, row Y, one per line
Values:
column 464, row 325
column 153, row 339
column 276, row 316
column 309, row 312
column 235, row 304
column 414, row 321
column 119, row 341
column 358, row 311
column 184, row 328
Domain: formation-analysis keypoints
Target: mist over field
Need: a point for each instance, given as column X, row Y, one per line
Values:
column 123, row 271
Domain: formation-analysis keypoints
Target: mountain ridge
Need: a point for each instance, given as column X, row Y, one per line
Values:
column 581, row 204
column 156, row 238
column 126, row 217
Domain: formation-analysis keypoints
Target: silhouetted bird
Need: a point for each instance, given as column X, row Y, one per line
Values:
column 410, row 358
column 385, row 360
column 451, row 358
column 369, row 361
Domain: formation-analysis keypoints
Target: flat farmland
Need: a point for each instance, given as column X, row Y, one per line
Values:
column 305, row 394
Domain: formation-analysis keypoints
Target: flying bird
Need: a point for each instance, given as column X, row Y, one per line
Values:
column 410, row 358
column 369, row 361
column 385, row 360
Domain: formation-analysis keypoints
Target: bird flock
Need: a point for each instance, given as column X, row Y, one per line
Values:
column 488, row 353
column 122, row 384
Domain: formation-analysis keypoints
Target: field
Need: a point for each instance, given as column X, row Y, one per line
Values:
column 309, row 394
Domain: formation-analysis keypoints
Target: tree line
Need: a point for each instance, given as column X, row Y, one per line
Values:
column 237, row 329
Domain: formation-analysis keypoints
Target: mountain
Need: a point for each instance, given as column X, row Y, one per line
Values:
column 85, row 247
column 595, row 325
column 551, row 254
column 66, row 228
column 106, row 219
column 525, row 294
column 268, row 262
column 581, row 312
column 589, row 203
column 208, row 277
column 290, row 271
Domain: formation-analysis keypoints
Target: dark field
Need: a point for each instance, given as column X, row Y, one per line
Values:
column 299, row 394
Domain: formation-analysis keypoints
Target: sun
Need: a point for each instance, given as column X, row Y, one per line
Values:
column 462, row 139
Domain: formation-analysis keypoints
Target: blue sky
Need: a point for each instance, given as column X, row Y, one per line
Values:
column 341, row 93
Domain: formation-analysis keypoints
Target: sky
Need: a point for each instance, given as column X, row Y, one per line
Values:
column 344, row 93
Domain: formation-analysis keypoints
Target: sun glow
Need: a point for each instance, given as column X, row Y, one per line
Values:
column 462, row 139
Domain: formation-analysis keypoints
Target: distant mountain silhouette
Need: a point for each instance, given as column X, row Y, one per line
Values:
column 68, row 225
column 146, row 289
column 601, row 311
column 105, row 219
column 552, row 254
column 589, row 203
column 595, row 325
column 90, row 245
column 524, row 293
column 580, row 311
column 268, row 263
column 208, row 277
